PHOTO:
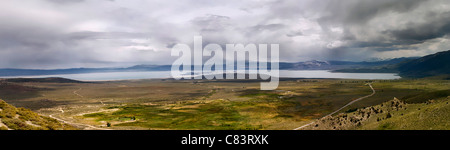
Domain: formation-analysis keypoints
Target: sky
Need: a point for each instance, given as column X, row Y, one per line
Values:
column 49, row 34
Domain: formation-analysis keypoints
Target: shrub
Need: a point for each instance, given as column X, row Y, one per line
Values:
column 27, row 114
column 3, row 128
column 388, row 115
column 16, row 124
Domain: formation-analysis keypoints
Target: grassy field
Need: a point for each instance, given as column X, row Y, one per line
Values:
column 210, row 104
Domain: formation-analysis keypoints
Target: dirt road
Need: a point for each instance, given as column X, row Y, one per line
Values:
column 86, row 126
column 75, row 92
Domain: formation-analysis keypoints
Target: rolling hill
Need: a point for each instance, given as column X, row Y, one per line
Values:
column 434, row 114
column 12, row 118
column 44, row 80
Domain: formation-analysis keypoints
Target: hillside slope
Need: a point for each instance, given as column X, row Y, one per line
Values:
column 427, row 66
column 12, row 118
column 391, row 115
column 430, row 65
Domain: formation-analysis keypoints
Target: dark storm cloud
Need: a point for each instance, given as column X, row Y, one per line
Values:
column 437, row 25
column 364, row 27
column 361, row 11
column 384, row 25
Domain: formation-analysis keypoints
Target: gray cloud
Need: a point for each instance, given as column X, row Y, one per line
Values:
column 65, row 1
column 295, row 33
column 374, row 27
column 212, row 22
column 361, row 11
column 79, row 33
column 437, row 25
column 270, row 27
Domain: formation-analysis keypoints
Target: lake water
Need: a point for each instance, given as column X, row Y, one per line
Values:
column 166, row 74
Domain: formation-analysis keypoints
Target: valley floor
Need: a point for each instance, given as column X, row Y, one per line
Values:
column 235, row 105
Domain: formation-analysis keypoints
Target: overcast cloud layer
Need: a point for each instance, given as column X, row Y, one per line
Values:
column 106, row 33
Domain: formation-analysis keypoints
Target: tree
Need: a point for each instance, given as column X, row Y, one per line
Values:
column 108, row 124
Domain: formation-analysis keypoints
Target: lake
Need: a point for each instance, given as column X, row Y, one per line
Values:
column 105, row 76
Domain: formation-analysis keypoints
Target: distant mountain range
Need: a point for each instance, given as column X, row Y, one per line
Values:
column 29, row 72
column 43, row 80
column 336, row 65
column 435, row 64
column 308, row 65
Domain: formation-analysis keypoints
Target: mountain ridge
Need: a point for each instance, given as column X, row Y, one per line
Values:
column 430, row 65
column 396, row 65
